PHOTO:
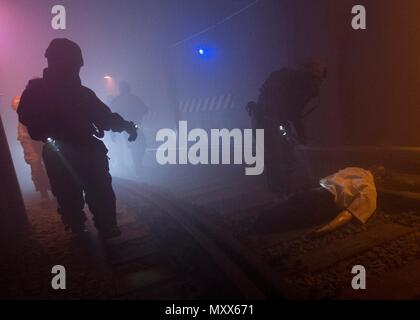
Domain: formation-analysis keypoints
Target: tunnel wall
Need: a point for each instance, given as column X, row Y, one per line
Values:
column 12, row 209
column 373, row 89
column 371, row 96
column 242, row 52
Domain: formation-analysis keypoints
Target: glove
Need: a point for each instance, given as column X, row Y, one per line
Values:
column 132, row 131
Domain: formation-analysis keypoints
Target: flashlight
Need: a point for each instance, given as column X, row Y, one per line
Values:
column 53, row 144
column 283, row 130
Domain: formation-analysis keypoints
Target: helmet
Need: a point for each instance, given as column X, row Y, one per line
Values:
column 315, row 68
column 65, row 52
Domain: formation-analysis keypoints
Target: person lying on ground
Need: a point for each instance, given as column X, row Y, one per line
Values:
column 349, row 194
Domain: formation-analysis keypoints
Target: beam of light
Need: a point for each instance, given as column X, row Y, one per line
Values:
column 110, row 85
column 195, row 35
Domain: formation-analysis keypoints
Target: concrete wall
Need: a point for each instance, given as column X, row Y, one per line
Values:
column 371, row 96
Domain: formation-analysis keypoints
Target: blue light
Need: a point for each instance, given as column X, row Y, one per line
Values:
column 204, row 52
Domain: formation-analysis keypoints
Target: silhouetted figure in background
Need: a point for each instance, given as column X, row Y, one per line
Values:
column 32, row 151
column 70, row 118
column 132, row 107
column 279, row 111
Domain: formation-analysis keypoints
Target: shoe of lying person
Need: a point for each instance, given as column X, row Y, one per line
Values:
column 110, row 232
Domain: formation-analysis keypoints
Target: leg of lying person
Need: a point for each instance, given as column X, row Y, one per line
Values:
column 342, row 219
column 302, row 210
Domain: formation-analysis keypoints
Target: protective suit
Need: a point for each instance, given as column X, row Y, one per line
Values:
column 33, row 156
column 132, row 107
column 279, row 111
column 70, row 119
column 343, row 196
column 354, row 190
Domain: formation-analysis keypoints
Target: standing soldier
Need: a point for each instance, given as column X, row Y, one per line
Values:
column 58, row 110
column 33, row 157
column 131, row 106
column 279, row 111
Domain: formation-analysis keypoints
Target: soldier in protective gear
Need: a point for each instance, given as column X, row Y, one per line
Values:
column 70, row 119
column 33, row 157
column 131, row 106
column 280, row 109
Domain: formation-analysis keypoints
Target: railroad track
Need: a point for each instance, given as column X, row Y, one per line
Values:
column 188, row 238
column 286, row 265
